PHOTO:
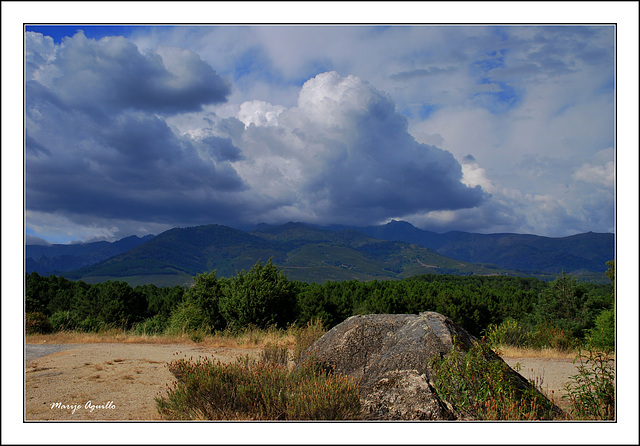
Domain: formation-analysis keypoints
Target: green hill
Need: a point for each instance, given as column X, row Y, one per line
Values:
column 303, row 252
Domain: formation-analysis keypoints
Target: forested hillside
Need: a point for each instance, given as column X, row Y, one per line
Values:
column 575, row 254
column 303, row 252
column 526, row 311
column 310, row 253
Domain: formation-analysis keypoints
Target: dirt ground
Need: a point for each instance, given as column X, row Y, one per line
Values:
column 118, row 382
column 105, row 381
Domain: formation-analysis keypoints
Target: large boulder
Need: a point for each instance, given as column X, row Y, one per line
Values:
column 390, row 355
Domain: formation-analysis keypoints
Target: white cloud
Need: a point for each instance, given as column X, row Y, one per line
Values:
column 532, row 105
column 259, row 113
column 343, row 155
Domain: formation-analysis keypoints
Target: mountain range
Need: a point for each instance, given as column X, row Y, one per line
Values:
column 317, row 254
column 58, row 258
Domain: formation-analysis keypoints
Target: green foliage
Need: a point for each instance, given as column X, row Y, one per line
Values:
column 509, row 332
column 185, row 319
column 478, row 385
column 262, row 296
column 515, row 310
column 603, row 335
column 205, row 295
column 152, row 326
column 37, row 322
column 611, row 271
column 547, row 334
column 592, row 391
column 256, row 390
column 64, row 321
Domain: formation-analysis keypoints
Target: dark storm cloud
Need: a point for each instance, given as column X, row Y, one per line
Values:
column 136, row 167
column 112, row 74
column 97, row 143
column 221, row 149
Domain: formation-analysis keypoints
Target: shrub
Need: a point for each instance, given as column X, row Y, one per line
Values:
column 548, row 334
column 478, row 385
column 262, row 296
column 37, row 322
column 152, row 326
column 603, row 335
column 205, row 294
column 509, row 332
column 592, row 390
column 64, row 321
column 90, row 324
column 185, row 319
column 254, row 390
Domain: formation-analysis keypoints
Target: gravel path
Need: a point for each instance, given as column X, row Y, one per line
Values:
column 34, row 351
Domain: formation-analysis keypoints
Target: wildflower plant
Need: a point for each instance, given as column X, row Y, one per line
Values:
column 250, row 389
column 592, row 390
column 479, row 385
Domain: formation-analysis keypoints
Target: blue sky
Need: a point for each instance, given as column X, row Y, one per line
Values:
column 137, row 129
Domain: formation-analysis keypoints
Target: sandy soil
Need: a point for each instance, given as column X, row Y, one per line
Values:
column 105, row 381
column 549, row 374
column 120, row 381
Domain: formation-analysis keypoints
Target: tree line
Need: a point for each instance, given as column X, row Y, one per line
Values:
column 517, row 310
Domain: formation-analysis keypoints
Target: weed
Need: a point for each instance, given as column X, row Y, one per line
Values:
column 37, row 322
column 254, row 390
column 592, row 390
column 478, row 385
column 275, row 354
column 306, row 336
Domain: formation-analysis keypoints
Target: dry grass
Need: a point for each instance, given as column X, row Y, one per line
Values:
column 249, row 338
column 519, row 352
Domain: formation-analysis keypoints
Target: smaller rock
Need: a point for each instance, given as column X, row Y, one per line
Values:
column 403, row 395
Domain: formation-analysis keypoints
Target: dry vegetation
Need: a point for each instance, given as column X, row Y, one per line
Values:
column 248, row 338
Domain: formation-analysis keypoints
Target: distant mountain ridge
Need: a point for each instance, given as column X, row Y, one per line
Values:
column 302, row 251
column 588, row 251
column 315, row 253
column 58, row 258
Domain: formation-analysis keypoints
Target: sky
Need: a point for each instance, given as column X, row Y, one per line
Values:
column 478, row 128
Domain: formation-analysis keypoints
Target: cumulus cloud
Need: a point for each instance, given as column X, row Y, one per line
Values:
column 111, row 73
column 597, row 174
column 344, row 155
column 98, row 144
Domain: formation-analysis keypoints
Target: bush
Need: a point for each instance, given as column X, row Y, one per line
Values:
column 37, row 323
column 509, row 332
column 185, row 319
column 64, row 321
column 549, row 335
column 262, row 296
column 91, row 324
column 152, row 326
column 603, row 335
column 478, row 385
column 255, row 390
column 592, row 390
